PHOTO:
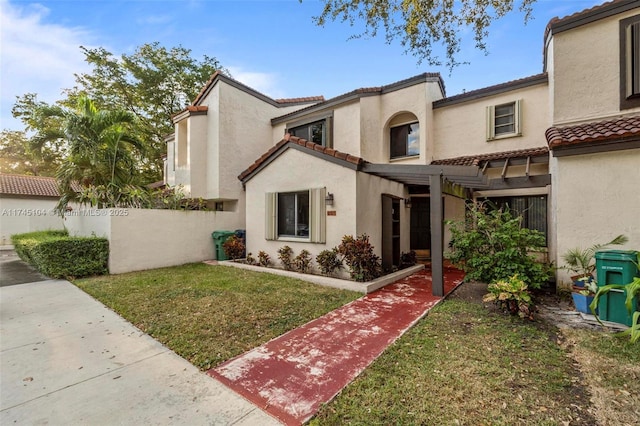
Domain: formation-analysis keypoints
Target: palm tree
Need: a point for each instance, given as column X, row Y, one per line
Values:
column 103, row 151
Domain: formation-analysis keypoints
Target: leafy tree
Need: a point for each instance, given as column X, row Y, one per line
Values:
column 102, row 148
column 422, row 24
column 153, row 83
column 21, row 155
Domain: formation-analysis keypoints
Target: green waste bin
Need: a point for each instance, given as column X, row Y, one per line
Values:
column 611, row 307
column 616, row 267
column 219, row 238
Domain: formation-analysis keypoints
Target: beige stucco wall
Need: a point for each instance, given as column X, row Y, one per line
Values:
column 235, row 131
column 347, row 127
column 297, row 171
column 595, row 199
column 461, row 129
column 20, row 215
column 586, row 63
column 369, row 210
column 361, row 126
column 377, row 113
column 146, row 239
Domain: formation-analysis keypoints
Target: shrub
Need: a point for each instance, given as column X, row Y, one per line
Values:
column 57, row 255
column 285, row 255
column 234, row 248
column 363, row 263
column 408, row 259
column 24, row 243
column 303, row 261
column 264, row 259
column 491, row 244
column 329, row 261
column 511, row 296
column 250, row 259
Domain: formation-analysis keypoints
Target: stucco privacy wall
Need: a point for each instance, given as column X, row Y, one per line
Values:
column 573, row 53
column 145, row 239
column 297, row 171
column 21, row 215
column 369, row 209
column 461, row 129
column 596, row 199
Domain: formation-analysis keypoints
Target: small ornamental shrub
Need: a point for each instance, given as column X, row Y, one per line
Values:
column 363, row 263
column 250, row 259
column 408, row 259
column 285, row 254
column 511, row 296
column 264, row 259
column 234, row 248
column 329, row 261
column 491, row 244
column 303, row 261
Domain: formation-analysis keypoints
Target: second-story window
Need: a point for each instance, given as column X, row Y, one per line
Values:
column 405, row 140
column 503, row 120
column 630, row 62
column 314, row 132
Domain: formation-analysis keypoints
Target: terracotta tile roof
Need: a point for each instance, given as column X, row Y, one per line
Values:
column 329, row 152
column 301, row 100
column 220, row 76
column 589, row 15
column 476, row 160
column 601, row 131
column 366, row 91
column 493, row 90
column 35, row 186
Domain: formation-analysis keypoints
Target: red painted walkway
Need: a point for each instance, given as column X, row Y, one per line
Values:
column 292, row 375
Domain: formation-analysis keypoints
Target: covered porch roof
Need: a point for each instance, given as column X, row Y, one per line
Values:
column 468, row 173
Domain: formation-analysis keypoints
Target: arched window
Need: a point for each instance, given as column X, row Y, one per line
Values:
column 404, row 136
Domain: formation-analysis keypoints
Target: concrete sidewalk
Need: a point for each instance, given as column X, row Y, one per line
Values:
column 67, row 359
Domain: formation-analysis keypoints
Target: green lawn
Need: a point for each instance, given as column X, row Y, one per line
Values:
column 464, row 365
column 208, row 314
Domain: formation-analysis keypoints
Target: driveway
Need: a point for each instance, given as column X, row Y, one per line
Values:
column 67, row 359
column 14, row 271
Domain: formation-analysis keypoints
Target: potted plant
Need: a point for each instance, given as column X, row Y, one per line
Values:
column 581, row 261
column 584, row 294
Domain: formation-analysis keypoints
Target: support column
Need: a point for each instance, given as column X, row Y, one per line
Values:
column 437, row 235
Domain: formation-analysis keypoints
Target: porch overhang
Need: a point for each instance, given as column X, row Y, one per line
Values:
column 456, row 180
column 434, row 176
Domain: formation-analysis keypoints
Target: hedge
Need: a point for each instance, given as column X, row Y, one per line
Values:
column 57, row 255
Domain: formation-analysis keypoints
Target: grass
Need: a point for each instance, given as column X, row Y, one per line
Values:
column 462, row 364
column 209, row 314
column 611, row 368
column 465, row 365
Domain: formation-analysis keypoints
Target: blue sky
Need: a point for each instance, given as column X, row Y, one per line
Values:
column 270, row 45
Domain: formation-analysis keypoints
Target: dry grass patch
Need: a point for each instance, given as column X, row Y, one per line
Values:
column 209, row 314
column 610, row 366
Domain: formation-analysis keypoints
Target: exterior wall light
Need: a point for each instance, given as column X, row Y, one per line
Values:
column 329, row 199
column 407, row 202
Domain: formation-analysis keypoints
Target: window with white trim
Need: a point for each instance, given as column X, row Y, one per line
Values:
column 296, row 215
column 630, row 62
column 503, row 120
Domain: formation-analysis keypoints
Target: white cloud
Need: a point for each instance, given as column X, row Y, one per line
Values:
column 265, row 83
column 37, row 57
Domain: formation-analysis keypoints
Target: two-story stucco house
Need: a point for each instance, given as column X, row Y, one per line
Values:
column 561, row 147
